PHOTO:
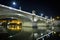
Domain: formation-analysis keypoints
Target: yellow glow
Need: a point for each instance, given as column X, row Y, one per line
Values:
column 12, row 28
column 57, row 17
column 18, row 22
column 16, row 28
column 13, row 21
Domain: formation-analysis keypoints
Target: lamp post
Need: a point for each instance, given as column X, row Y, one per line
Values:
column 34, row 20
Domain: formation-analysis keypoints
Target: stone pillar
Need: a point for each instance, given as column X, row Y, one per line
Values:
column 34, row 24
column 34, row 20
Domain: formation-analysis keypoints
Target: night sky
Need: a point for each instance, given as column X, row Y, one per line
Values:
column 48, row 8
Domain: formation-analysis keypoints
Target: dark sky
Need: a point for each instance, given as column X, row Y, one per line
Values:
column 49, row 8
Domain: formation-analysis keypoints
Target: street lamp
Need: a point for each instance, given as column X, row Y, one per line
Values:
column 35, row 19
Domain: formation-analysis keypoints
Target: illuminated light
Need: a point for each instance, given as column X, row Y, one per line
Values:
column 12, row 28
column 35, row 19
column 8, row 23
column 41, row 14
column 10, row 36
column 52, row 28
column 19, row 14
column 54, row 32
column 18, row 28
column 53, row 19
column 35, row 34
column 14, row 3
column 9, row 28
column 57, row 17
column 41, row 33
column 18, row 22
column 10, row 8
column 13, row 21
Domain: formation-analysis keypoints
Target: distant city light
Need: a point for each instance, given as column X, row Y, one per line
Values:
column 14, row 3
column 35, row 34
column 10, row 36
column 57, row 17
column 41, row 33
column 54, row 32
